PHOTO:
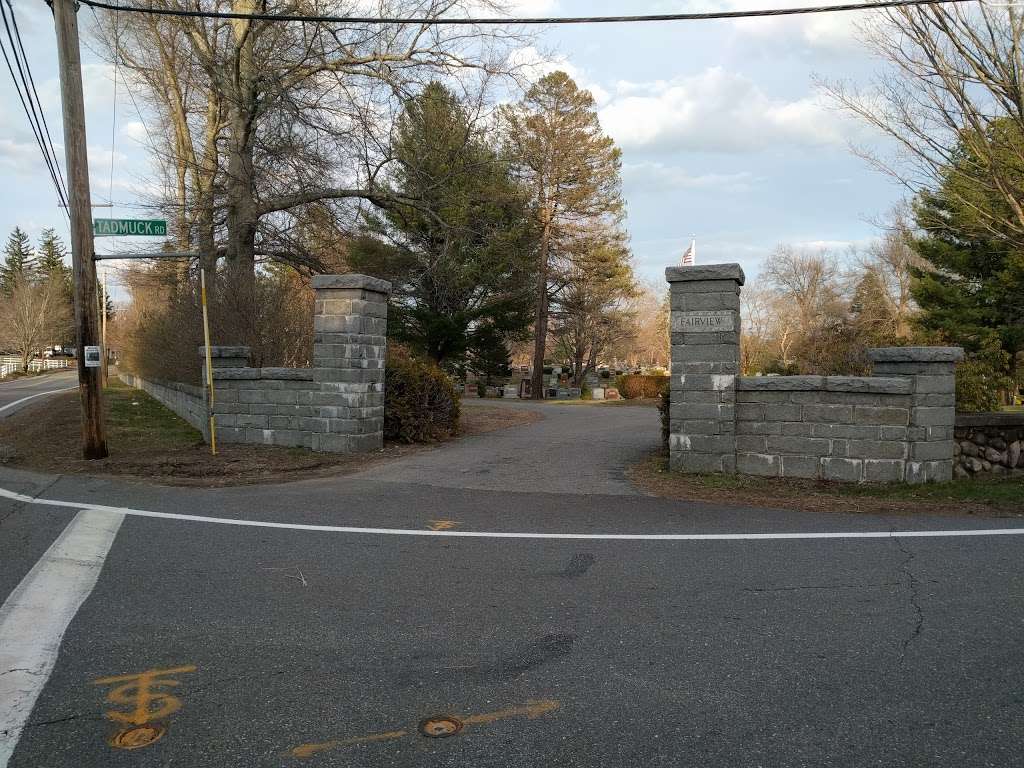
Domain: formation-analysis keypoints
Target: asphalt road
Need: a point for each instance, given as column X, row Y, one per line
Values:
column 299, row 647
column 18, row 393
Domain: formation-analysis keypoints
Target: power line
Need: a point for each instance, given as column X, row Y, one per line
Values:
column 33, row 108
column 32, row 82
column 552, row 20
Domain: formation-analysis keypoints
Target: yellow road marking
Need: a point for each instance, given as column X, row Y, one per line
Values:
column 532, row 709
column 442, row 525
column 137, row 692
column 308, row 750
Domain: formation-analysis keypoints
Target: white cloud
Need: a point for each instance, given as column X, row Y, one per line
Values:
column 21, row 157
column 533, row 64
column 97, row 90
column 658, row 178
column 716, row 111
column 134, row 130
column 822, row 32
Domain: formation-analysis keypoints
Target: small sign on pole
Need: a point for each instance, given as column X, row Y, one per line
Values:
column 92, row 357
column 129, row 227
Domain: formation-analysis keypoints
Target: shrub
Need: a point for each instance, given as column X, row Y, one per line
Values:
column 420, row 401
column 632, row 386
column 978, row 385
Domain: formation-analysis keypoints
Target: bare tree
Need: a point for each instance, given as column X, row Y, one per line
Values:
column 279, row 123
column 953, row 99
column 807, row 278
column 757, row 313
column 890, row 262
column 34, row 314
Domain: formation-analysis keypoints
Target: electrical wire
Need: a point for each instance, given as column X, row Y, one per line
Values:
column 31, row 105
column 35, row 93
column 553, row 20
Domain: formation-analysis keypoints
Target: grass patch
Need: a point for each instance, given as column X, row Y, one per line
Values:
column 1003, row 497
column 136, row 420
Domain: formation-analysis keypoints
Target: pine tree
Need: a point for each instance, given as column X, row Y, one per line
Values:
column 572, row 168
column 973, row 291
column 460, row 258
column 19, row 261
column 50, row 263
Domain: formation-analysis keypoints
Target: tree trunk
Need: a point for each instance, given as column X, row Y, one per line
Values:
column 540, row 331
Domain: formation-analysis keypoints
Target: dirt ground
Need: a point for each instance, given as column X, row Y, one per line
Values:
column 989, row 498
column 147, row 441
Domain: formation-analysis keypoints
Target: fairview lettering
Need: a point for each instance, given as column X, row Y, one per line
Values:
column 703, row 322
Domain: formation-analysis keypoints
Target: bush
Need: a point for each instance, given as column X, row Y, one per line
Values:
column 632, row 386
column 420, row 401
column 978, row 385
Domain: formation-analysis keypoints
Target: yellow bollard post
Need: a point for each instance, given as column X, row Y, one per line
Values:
column 209, row 365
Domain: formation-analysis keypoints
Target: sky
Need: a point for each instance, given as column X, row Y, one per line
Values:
column 724, row 135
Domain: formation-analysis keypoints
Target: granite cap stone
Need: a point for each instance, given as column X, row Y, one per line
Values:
column 705, row 272
column 352, row 280
column 915, row 354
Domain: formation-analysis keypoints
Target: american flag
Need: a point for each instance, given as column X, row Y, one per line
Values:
column 690, row 254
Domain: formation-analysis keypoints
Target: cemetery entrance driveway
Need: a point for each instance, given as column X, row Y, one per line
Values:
column 574, row 448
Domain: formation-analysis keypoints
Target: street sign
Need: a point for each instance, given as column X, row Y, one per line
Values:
column 144, row 227
column 92, row 357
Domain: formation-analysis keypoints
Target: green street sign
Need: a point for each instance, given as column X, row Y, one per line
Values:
column 144, row 227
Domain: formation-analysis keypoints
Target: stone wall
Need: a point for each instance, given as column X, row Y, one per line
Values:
column 337, row 406
column 830, row 427
column 989, row 444
column 895, row 426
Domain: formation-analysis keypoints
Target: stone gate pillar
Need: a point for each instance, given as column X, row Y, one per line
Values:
column 932, row 407
column 705, row 334
column 349, row 349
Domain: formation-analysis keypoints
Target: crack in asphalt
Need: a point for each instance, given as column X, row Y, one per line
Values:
column 912, row 585
column 17, row 506
column 26, row 670
column 58, row 720
column 826, row 586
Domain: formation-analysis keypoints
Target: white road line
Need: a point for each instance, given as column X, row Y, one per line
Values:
column 4, row 493
column 36, row 614
column 37, row 394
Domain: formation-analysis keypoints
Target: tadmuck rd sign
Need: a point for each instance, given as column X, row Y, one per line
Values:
column 145, row 227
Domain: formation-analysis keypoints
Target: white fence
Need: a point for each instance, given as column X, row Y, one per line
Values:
column 10, row 364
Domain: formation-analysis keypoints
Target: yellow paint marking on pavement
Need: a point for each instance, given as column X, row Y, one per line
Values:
column 531, row 710
column 308, row 750
column 141, row 693
column 442, row 525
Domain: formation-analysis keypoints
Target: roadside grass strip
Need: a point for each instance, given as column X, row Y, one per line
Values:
column 798, row 535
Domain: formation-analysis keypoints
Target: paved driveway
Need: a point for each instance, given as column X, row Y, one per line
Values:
column 577, row 449
column 323, row 623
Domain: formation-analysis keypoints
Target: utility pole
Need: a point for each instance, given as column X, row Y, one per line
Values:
column 65, row 19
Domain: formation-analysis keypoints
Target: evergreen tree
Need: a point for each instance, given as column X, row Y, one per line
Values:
column 973, row 294
column 51, row 262
column 460, row 257
column 18, row 265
